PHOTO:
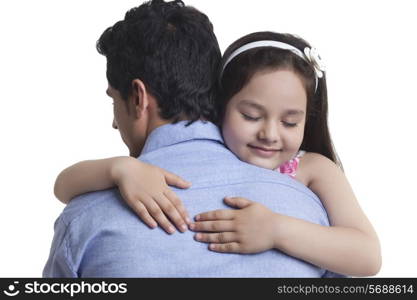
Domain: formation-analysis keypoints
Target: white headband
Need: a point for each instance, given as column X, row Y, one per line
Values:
column 310, row 55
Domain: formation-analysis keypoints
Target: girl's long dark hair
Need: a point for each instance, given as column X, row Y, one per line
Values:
column 240, row 70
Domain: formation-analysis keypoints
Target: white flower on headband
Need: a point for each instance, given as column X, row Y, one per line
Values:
column 314, row 58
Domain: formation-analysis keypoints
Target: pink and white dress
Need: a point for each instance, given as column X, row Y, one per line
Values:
column 290, row 167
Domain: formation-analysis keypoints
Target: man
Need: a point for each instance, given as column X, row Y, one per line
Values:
column 162, row 65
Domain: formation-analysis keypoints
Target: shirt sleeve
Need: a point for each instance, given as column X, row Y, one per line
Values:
column 58, row 264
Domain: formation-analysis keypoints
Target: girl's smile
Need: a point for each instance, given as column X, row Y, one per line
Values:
column 264, row 152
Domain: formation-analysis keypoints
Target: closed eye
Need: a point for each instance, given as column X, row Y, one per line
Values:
column 288, row 124
column 249, row 118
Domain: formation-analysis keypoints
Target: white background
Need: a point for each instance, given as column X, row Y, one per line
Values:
column 54, row 111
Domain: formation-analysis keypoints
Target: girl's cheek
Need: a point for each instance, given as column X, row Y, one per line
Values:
column 296, row 141
column 234, row 137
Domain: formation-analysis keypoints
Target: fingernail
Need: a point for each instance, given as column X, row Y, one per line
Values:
column 197, row 217
column 192, row 226
column 171, row 229
column 198, row 236
column 184, row 227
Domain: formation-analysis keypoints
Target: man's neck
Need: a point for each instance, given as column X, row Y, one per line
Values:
column 157, row 122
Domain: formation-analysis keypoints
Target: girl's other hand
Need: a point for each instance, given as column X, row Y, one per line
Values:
column 249, row 229
column 145, row 189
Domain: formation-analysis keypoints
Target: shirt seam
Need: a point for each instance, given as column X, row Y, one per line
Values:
column 264, row 181
column 67, row 236
column 67, row 254
column 65, row 244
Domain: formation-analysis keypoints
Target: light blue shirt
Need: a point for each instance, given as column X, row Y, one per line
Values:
column 97, row 235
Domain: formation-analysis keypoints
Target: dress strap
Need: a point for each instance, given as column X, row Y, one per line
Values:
column 300, row 154
column 290, row 167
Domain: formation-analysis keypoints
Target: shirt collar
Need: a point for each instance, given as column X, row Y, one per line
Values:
column 170, row 134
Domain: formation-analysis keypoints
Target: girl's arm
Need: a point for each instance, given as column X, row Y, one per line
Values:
column 350, row 246
column 144, row 188
column 83, row 177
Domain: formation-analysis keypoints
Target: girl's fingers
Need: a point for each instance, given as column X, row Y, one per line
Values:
column 225, row 248
column 171, row 212
column 237, row 202
column 178, row 205
column 175, row 180
column 156, row 212
column 143, row 214
column 218, row 238
column 212, row 226
column 220, row 214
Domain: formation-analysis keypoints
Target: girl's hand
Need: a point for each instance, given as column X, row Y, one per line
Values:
column 145, row 189
column 250, row 229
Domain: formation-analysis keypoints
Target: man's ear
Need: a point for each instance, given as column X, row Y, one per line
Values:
column 140, row 97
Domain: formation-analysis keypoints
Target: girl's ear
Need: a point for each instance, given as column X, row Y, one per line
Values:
column 140, row 97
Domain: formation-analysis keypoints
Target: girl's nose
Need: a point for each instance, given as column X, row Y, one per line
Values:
column 269, row 133
column 114, row 125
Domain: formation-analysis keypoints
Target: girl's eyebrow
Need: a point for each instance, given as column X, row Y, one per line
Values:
column 252, row 104
column 294, row 112
column 290, row 112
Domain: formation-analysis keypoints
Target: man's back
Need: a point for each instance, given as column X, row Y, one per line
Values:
column 97, row 235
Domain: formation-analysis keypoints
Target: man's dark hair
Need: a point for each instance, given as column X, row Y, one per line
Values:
column 170, row 47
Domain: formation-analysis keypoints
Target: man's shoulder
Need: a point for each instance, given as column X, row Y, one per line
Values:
column 92, row 205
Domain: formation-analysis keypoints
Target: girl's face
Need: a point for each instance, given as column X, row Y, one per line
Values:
column 264, row 122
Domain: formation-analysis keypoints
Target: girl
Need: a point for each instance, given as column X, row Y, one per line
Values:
column 273, row 115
